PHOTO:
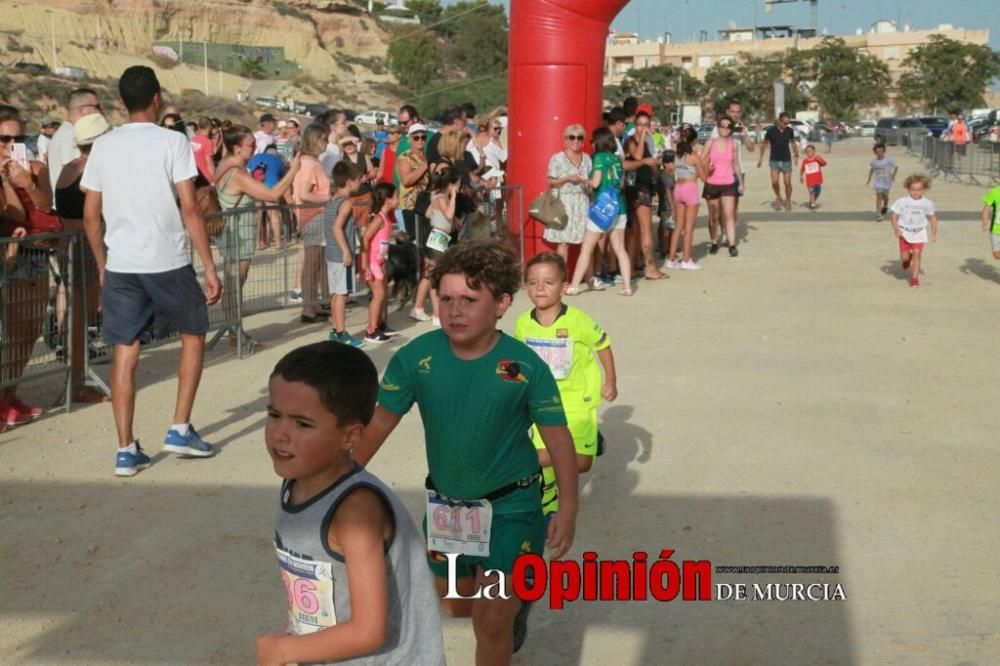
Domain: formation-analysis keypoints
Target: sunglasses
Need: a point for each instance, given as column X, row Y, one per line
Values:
column 7, row 138
column 722, row 127
column 418, row 137
column 575, row 137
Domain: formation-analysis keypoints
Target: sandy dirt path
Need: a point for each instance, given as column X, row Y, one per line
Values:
column 798, row 405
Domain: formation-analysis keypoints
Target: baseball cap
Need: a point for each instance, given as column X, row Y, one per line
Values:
column 267, row 118
column 49, row 121
column 417, row 127
column 87, row 129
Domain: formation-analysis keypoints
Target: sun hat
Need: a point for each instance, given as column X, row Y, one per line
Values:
column 87, row 129
column 417, row 127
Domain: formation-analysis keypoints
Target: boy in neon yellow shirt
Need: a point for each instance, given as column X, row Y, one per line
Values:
column 991, row 219
column 568, row 341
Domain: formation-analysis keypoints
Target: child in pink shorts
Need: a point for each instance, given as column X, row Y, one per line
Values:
column 911, row 216
column 376, row 245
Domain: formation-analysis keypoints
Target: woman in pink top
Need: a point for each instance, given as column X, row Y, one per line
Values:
column 311, row 188
column 723, row 160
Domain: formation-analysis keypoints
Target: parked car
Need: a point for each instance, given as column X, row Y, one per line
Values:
column 900, row 131
column 867, row 128
column 936, row 124
column 801, row 127
column 373, row 117
column 705, row 131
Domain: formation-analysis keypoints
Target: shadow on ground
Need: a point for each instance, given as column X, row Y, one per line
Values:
column 980, row 269
column 77, row 571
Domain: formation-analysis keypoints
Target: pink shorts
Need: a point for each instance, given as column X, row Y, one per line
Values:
column 686, row 194
column 907, row 246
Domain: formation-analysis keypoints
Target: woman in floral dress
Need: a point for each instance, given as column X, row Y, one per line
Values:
column 569, row 173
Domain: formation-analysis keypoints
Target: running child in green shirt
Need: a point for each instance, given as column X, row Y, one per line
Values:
column 568, row 341
column 991, row 218
column 478, row 392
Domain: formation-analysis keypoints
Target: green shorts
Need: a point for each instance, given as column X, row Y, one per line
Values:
column 583, row 428
column 511, row 535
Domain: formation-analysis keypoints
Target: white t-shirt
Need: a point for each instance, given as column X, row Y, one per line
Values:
column 329, row 158
column 263, row 140
column 135, row 167
column 913, row 214
column 62, row 151
column 42, row 147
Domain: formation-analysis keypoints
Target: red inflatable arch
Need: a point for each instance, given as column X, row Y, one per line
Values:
column 556, row 78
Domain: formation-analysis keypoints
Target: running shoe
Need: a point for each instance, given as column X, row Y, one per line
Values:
column 346, row 338
column 914, row 282
column 885, row 209
column 672, row 263
column 607, row 279
column 733, row 252
column 419, row 315
column 24, row 408
column 11, row 417
column 376, row 337
column 713, row 248
column 191, row 444
column 295, row 296
column 128, row 463
column 690, row 265
column 391, row 332
column 617, row 278
column 596, row 284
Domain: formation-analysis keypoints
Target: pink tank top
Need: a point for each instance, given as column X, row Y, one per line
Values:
column 380, row 243
column 721, row 158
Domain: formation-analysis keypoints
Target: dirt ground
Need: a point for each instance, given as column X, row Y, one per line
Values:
column 798, row 405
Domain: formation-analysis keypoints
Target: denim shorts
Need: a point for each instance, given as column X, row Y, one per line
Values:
column 131, row 302
column 29, row 264
column 781, row 165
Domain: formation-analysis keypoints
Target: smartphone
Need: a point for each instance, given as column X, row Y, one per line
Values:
column 19, row 153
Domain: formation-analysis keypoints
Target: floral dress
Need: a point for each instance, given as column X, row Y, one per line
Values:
column 575, row 198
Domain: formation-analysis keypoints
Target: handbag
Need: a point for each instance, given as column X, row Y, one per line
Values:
column 604, row 211
column 548, row 209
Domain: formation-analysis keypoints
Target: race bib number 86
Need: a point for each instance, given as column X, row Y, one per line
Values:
column 309, row 587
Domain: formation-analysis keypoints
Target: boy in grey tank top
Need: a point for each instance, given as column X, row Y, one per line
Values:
column 351, row 559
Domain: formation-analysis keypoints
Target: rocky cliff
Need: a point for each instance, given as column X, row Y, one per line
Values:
column 339, row 49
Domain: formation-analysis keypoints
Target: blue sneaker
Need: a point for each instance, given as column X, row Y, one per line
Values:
column 187, row 445
column 128, row 463
column 607, row 279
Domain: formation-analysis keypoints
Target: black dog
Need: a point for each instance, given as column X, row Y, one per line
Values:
column 401, row 269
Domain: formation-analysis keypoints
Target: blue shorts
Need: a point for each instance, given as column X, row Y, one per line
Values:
column 131, row 301
column 816, row 189
column 781, row 165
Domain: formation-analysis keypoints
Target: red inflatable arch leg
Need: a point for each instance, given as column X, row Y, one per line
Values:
column 556, row 78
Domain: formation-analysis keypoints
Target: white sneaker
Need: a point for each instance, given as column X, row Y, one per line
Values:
column 419, row 315
column 690, row 266
column 596, row 284
column 671, row 263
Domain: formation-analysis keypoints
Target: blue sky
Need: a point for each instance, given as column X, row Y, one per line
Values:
column 685, row 18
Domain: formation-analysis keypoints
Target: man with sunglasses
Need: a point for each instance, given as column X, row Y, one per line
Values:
column 62, row 149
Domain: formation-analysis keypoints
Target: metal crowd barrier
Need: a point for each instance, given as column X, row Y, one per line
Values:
column 37, row 308
column 974, row 163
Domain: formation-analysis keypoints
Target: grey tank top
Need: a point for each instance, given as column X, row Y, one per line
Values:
column 684, row 170
column 315, row 577
column 438, row 219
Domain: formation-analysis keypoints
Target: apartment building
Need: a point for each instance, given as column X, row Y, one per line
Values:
column 884, row 40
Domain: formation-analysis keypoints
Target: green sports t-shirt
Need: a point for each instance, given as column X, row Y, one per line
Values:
column 612, row 172
column 568, row 346
column 992, row 198
column 476, row 414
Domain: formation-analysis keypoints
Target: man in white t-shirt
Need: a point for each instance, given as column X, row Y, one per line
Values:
column 46, row 130
column 132, row 178
column 62, row 148
column 264, row 137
